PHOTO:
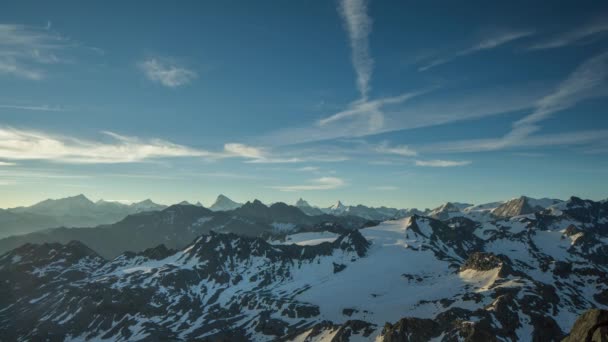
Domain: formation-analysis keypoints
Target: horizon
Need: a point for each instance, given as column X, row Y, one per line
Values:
column 367, row 102
column 346, row 203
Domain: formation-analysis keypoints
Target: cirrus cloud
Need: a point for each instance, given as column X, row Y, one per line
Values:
column 166, row 73
column 442, row 163
column 16, row 144
column 323, row 183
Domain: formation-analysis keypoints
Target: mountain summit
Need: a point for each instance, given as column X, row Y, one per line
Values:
column 307, row 208
column 223, row 203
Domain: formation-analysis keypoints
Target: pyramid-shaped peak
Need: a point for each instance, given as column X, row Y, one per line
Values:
column 338, row 205
column 223, row 203
column 515, row 207
column 302, row 203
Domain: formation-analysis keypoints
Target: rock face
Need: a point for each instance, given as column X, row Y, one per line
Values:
column 515, row 207
column 446, row 211
column 592, row 326
column 481, row 262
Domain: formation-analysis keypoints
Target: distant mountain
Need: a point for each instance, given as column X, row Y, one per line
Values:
column 75, row 211
column 530, row 277
column 447, row 210
column 223, row 203
column 179, row 224
column 336, row 209
column 494, row 210
column 307, row 208
column 523, row 206
column 370, row 213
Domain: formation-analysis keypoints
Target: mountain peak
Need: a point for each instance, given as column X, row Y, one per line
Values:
column 338, row 205
column 223, row 203
column 515, row 207
column 302, row 203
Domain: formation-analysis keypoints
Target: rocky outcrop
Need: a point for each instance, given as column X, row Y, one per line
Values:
column 592, row 326
column 480, row 261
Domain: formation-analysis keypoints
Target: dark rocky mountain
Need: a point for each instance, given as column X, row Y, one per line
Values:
column 178, row 225
column 524, row 278
column 76, row 211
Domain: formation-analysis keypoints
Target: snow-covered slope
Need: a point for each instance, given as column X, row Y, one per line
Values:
column 517, row 279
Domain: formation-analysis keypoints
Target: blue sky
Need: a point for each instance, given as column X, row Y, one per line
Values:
column 374, row 102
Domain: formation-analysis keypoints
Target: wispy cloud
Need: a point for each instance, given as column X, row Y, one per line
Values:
column 583, row 83
column 371, row 109
column 255, row 154
column 323, row 183
column 167, row 73
column 442, row 163
column 586, row 81
column 42, row 108
column 3, row 163
column 426, row 111
column 18, row 144
column 384, row 188
column 576, row 36
column 26, row 50
column 358, row 24
column 491, row 42
column 245, row 151
column 545, row 140
column 308, row 169
column 401, row 150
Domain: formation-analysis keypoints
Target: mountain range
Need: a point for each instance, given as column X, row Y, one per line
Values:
column 76, row 211
column 179, row 224
column 494, row 272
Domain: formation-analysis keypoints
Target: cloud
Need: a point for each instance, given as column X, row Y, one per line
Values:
column 575, row 36
column 369, row 109
column 245, row 151
column 26, row 50
column 167, row 74
column 42, row 108
column 426, row 111
column 358, row 24
column 323, row 183
column 384, row 188
column 587, row 81
column 482, row 145
column 442, row 163
column 401, row 150
column 18, row 144
column 254, row 154
column 3, row 163
column 308, row 169
column 494, row 41
column 581, row 84
column 9, row 66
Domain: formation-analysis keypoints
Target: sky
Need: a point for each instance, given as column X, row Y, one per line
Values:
column 396, row 103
